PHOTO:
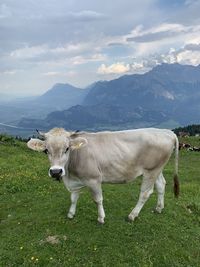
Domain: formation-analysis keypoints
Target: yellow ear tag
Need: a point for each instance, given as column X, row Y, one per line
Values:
column 79, row 145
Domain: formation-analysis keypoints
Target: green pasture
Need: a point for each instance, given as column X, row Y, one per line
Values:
column 34, row 229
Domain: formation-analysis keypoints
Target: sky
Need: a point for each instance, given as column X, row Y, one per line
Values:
column 43, row 42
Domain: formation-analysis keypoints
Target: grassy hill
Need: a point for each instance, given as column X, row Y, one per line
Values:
column 35, row 230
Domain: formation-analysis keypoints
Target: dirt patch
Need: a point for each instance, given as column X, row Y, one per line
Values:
column 53, row 239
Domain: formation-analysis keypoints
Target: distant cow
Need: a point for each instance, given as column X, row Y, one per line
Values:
column 89, row 159
column 184, row 145
column 197, row 149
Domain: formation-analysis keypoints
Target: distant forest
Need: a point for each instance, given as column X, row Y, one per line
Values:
column 191, row 129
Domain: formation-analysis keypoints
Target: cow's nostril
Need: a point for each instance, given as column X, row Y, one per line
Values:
column 56, row 173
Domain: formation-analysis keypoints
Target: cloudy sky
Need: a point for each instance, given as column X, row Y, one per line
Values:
column 43, row 42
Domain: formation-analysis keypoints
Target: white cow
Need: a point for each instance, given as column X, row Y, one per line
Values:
column 90, row 159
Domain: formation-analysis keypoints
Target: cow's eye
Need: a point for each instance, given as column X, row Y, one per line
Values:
column 66, row 149
column 46, row 151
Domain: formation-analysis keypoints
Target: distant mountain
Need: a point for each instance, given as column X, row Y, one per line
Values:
column 162, row 86
column 176, row 73
column 62, row 96
column 168, row 95
column 96, row 117
column 59, row 97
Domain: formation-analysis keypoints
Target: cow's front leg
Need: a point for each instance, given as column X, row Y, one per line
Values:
column 74, row 199
column 98, row 199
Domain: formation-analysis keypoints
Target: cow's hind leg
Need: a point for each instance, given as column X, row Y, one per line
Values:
column 160, row 187
column 74, row 199
column 145, row 192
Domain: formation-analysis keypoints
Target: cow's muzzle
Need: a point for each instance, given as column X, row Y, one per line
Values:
column 56, row 174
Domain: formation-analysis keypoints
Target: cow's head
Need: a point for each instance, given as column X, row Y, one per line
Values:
column 58, row 145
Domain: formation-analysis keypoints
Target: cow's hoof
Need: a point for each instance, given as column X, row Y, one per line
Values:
column 70, row 215
column 100, row 224
column 127, row 219
column 100, row 221
column 131, row 218
column 157, row 210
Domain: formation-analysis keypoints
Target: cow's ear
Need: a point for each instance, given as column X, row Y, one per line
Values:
column 36, row 144
column 77, row 143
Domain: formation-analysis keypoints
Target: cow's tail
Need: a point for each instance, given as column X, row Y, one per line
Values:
column 176, row 180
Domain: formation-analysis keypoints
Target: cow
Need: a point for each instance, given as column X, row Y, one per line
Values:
column 196, row 149
column 84, row 159
column 184, row 145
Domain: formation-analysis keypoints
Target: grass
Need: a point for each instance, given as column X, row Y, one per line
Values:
column 35, row 230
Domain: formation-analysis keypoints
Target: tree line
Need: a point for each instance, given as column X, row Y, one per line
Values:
column 192, row 130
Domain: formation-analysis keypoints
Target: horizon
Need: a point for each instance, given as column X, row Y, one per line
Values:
column 82, row 43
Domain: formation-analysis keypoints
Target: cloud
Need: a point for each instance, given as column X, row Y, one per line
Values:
column 55, row 59
column 78, row 53
column 188, row 54
column 86, row 15
column 74, row 18
column 116, row 68
column 80, row 41
column 189, row 2
column 8, row 72
column 160, row 38
column 56, row 73
column 28, row 52
column 163, row 31
column 192, row 47
column 79, row 60
column 52, row 73
column 188, row 57
column 4, row 11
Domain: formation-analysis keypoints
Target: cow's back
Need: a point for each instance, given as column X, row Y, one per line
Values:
column 121, row 156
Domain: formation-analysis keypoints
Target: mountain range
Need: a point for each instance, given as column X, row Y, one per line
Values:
column 167, row 96
column 59, row 97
